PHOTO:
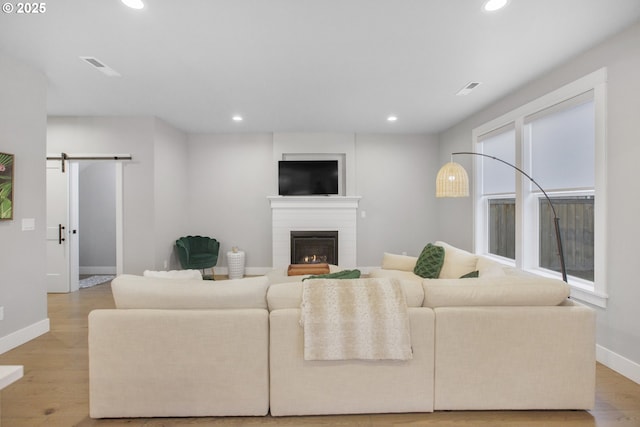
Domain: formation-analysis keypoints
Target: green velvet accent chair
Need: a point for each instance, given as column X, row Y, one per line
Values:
column 198, row 252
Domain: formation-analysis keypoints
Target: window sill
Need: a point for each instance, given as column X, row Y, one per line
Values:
column 581, row 290
column 589, row 296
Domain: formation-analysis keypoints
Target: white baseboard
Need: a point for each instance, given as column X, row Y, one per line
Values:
column 97, row 270
column 618, row 363
column 23, row 335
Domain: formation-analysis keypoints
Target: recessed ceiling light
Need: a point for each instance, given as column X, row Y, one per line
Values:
column 493, row 5
column 134, row 4
column 392, row 118
column 237, row 118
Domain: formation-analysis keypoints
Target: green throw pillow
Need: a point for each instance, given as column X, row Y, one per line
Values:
column 471, row 275
column 430, row 262
column 344, row 274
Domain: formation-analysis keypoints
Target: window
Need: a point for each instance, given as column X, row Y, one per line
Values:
column 561, row 144
column 498, row 191
column 576, row 228
column 559, row 141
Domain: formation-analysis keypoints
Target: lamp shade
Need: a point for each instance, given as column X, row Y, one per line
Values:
column 452, row 181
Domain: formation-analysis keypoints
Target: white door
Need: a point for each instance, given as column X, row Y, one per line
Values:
column 58, row 229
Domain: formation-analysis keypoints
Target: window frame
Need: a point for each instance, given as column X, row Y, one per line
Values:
column 527, row 197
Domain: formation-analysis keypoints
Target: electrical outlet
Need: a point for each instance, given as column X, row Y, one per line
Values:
column 166, row 264
column 1, row 313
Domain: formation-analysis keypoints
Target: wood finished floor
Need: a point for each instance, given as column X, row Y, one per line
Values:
column 54, row 391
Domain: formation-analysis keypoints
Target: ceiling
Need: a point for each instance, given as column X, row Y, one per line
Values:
column 301, row 65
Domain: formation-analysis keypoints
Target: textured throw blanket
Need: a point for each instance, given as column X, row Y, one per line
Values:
column 355, row 319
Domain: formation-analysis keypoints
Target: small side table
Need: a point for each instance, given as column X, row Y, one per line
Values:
column 235, row 261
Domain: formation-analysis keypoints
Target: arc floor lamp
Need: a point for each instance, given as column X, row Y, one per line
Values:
column 453, row 181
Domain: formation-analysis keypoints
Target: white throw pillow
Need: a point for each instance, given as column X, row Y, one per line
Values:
column 489, row 268
column 398, row 262
column 457, row 262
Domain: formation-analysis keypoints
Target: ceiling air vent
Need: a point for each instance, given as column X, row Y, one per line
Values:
column 468, row 88
column 101, row 66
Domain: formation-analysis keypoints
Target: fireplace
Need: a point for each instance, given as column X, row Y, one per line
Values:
column 312, row 247
column 314, row 213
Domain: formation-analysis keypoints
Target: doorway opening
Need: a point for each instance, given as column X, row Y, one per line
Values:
column 103, row 203
column 96, row 222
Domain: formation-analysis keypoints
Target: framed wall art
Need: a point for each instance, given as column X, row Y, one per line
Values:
column 6, row 186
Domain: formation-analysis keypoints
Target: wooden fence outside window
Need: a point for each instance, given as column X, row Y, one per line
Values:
column 576, row 226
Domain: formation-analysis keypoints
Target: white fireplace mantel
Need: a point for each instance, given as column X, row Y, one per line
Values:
column 314, row 213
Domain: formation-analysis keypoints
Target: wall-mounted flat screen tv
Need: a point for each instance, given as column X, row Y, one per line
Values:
column 307, row 177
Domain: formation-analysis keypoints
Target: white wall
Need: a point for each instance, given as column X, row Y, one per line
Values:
column 143, row 224
column 97, row 219
column 171, row 189
column 218, row 185
column 395, row 175
column 23, row 118
column 230, row 178
column 232, row 175
column 618, row 334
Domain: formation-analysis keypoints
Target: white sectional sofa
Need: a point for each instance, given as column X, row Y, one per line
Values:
column 503, row 340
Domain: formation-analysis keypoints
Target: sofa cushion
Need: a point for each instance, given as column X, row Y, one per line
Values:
column 174, row 274
column 398, row 262
column 289, row 295
column 148, row 292
column 430, row 262
column 395, row 274
column 457, row 262
column 495, row 291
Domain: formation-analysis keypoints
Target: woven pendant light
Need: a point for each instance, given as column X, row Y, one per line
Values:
column 452, row 181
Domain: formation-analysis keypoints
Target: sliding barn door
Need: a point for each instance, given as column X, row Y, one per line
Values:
column 58, row 262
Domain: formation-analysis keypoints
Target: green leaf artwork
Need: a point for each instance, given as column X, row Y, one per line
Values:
column 6, row 186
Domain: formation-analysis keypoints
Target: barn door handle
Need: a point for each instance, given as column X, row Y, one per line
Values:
column 60, row 234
